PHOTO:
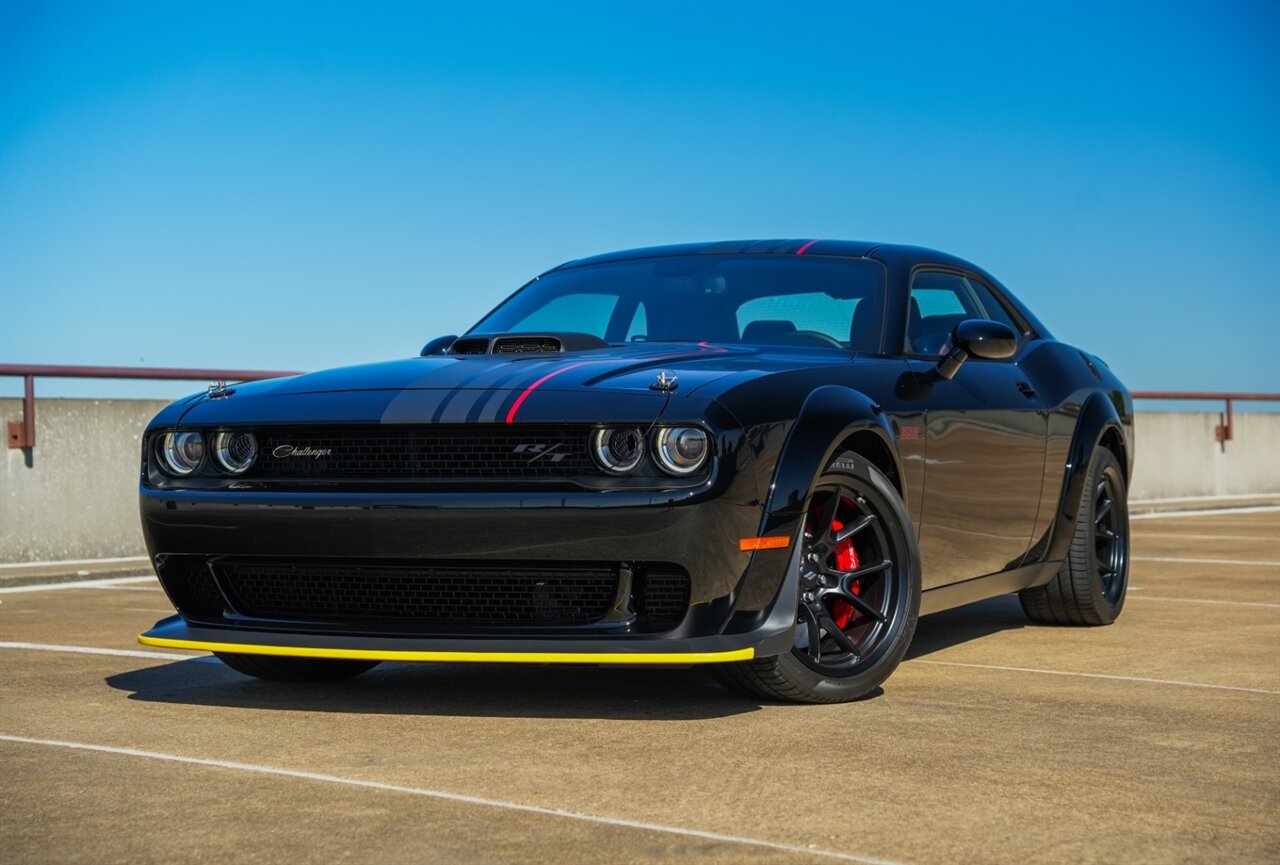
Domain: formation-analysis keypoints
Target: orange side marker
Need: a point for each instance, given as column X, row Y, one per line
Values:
column 774, row 543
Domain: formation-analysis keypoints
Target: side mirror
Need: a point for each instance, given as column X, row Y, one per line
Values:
column 439, row 345
column 988, row 340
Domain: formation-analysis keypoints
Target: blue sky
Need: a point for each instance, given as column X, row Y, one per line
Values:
column 295, row 186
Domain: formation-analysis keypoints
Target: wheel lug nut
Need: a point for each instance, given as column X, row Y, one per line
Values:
column 822, row 580
column 810, row 597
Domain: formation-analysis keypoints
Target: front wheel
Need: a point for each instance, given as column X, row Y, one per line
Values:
column 859, row 594
column 286, row 669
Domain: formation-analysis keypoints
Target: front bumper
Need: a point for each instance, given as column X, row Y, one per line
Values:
column 176, row 633
column 696, row 529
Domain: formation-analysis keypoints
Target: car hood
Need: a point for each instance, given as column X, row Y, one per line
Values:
column 600, row 384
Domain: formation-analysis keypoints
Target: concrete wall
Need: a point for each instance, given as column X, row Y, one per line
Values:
column 1178, row 457
column 78, row 497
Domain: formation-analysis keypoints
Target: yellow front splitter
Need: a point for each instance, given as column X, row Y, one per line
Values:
column 457, row 657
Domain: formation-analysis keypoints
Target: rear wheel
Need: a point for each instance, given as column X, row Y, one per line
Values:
column 1090, row 587
column 285, row 669
column 859, row 594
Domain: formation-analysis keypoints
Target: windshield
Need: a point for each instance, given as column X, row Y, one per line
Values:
column 820, row 302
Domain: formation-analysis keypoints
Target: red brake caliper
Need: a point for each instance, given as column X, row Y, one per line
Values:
column 846, row 560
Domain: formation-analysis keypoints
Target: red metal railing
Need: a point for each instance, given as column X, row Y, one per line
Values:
column 1222, row 433
column 22, row 433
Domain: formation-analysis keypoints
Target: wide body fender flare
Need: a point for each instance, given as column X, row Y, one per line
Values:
column 828, row 417
column 1098, row 417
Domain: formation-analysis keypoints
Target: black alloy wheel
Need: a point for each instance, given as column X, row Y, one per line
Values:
column 1089, row 588
column 849, row 583
column 1110, row 536
column 859, row 594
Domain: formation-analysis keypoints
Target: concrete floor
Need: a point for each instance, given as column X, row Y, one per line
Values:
column 1154, row 740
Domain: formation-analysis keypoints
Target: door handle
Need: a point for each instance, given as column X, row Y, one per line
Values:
column 1027, row 390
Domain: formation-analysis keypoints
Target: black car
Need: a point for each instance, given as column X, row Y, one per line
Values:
column 769, row 456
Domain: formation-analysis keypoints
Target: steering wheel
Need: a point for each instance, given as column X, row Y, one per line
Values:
column 808, row 337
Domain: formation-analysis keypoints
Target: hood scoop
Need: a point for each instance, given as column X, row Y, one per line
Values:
column 525, row 343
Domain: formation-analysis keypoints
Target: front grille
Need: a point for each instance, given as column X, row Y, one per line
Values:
column 475, row 594
column 475, row 451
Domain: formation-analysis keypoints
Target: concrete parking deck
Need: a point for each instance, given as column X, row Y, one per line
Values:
column 1154, row 740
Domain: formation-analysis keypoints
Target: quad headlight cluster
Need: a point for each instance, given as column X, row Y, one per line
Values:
column 677, row 450
column 181, row 453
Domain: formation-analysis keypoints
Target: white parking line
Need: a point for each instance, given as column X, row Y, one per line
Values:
column 93, row 650
column 451, row 797
column 1247, row 562
column 1212, row 512
column 75, row 563
column 1229, row 497
column 1165, row 536
column 76, row 584
column 171, row 656
column 129, row 588
column 1206, row 601
column 1093, row 676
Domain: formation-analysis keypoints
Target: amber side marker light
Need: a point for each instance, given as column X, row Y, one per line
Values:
column 776, row 543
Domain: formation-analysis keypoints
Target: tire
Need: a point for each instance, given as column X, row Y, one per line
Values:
column 884, row 549
column 1090, row 587
column 278, row 668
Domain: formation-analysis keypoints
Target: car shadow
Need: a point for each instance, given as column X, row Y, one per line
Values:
column 971, row 622
column 519, row 691
column 453, row 690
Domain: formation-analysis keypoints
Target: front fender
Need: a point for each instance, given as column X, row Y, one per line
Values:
column 828, row 417
column 1098, row 416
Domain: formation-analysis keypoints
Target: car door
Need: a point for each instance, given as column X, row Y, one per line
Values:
column 985, row 438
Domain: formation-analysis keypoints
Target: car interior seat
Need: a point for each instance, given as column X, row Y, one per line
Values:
column 864, row 329
column 767, row 330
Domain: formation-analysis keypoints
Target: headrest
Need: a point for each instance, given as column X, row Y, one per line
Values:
column 766, row 329
column 864, row 330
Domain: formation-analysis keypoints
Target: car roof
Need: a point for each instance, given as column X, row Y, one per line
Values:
column 794, row 246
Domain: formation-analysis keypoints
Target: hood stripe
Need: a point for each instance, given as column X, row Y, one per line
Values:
column 511, row 415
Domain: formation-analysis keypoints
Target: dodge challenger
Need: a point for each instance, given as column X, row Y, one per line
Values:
column 770, row 457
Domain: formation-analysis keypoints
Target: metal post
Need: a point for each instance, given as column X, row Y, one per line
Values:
column 22, row 433
column 1223, row 432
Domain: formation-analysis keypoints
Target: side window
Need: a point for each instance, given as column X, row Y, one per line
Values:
column 581, row 313
column 939, row 301
column 994, row 309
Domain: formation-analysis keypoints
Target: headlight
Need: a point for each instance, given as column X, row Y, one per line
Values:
column 182, row 452
column 235, row 451
column 681, row 450
column 617, row 450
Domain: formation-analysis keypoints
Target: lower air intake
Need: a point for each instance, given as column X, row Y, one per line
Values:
column 438, row 593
